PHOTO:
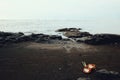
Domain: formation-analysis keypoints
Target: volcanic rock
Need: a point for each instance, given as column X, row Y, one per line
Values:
column 55, row 37
column 77, row 34
column 105, row 71
column 68, row 29
column 98, row 39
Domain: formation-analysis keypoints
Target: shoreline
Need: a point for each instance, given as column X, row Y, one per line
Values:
column 50, row 57
column 71, row 34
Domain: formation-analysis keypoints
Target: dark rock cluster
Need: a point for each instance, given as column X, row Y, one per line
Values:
column 68, row 29
column 86, row 37
column 7, row 37
column 72, row 33
column 104, row 39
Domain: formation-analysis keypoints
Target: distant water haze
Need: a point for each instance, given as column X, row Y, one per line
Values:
column 46, row 16
column 50, row 26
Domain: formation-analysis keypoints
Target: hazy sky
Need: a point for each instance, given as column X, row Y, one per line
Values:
column 60, row 9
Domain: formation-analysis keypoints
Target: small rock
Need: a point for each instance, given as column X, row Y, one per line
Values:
column 20, row 33
column 104, row 71
column 60, row 69
column 68, row 29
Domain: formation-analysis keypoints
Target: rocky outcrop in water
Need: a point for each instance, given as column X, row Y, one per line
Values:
column 77, row 34
column 72, row 33
column 99, row 39
column 7, row 37
column 68, row 29
column 86, row 37
column 104, row 39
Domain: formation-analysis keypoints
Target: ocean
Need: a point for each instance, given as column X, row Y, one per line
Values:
column 50, row 26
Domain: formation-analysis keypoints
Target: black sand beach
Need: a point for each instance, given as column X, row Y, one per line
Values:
column 46, row 57
column 36, row 61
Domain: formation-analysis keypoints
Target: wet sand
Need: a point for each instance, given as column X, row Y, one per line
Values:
column 38, row 61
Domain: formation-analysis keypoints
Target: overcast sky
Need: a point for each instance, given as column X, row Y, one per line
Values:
column 60, row 9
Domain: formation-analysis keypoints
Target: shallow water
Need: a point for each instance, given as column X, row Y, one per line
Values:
column 49, row 26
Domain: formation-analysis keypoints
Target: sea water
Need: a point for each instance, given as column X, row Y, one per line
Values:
column 50, row 26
